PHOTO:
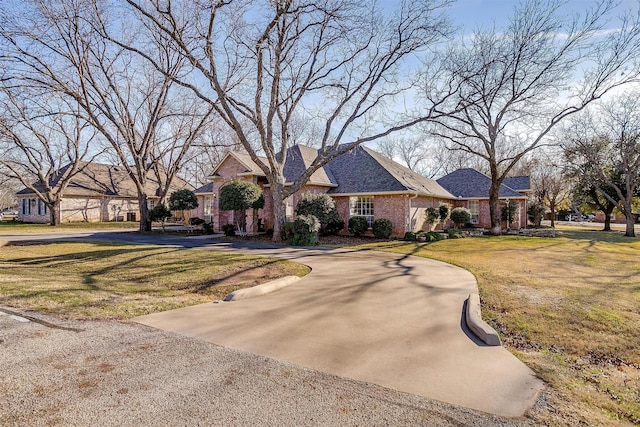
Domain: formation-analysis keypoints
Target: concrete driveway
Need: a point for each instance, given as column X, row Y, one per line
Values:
column 383, row 318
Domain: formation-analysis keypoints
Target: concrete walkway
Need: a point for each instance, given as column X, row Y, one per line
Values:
column 388, row 319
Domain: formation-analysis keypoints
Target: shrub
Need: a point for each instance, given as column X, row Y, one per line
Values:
column 287, row 231
column 382, row 228
column 208, row 228
column 239, row 195
column 333, row 227
column 196, row 221
column 444, row 212
column 508, row 211
column 432, row 217
column 229, row 230
column 454, row 233
column 305, row 230
column 358, row 225
column 160, row 213
column 410, row 236
column 183, row 200
column 536, row 213
column 433, row 236
column 323, row 207
column 460, row 216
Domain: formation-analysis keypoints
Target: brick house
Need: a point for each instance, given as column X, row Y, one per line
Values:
column 362, row 182
column 99, row 193
column 470, row 189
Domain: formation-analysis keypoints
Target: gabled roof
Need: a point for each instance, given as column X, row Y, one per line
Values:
column 518, row 183
column 471, row 184
column 251, row 167
column 363, row 170
column 299, row 158
column 98, row 179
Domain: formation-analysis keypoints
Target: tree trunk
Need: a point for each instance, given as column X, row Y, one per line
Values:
column 278, row 211
column 145, row 222
column 552, row 208
column 630, row 219
column 54, row 213
column 607, row 221
column 494, row 209
column 607, row 217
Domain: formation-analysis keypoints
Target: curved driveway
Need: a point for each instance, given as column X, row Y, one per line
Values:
column 383, row 318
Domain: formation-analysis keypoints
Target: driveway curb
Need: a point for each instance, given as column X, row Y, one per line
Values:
column 264, row 288
column 479, row 327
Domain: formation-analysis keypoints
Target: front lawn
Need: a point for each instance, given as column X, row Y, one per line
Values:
column 119, row 281
column 569, row 307
column 16, row 227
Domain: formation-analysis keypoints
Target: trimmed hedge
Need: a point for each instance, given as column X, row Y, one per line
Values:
column 382, row 228
column 358, row 225
column 460, row 216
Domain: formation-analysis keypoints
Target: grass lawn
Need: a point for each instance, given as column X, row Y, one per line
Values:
column 569, row 307
column 118, row 281
column 15, row 227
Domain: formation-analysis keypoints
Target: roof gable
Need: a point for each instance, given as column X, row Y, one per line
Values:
column 469, row 183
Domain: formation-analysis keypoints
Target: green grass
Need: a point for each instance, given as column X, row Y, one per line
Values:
column 569, row 307
column 118, row 281
column 15, row 227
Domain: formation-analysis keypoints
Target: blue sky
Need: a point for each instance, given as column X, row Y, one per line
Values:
column 473, row 13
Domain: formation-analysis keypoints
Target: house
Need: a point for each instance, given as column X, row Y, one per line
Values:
column 99, row 193
column 470, row 189
column 362, row 182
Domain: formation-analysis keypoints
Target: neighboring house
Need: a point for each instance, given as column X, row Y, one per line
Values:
column 471, row 190
column 99, row 193
column 362, row 182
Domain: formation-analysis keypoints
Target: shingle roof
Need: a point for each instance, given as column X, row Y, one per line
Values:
column 98, row 179
column 469, row 183
column 518, row 183
column 205, row 189
column 299, row 158
column 363, row 170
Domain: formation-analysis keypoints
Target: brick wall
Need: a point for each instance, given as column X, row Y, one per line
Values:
column 77, row 209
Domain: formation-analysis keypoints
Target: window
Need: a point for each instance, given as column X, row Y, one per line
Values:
column 152, row 204
column 474, row 209
column 26, row 206
column 42, row 207
column 362, row 206
column 208, row 205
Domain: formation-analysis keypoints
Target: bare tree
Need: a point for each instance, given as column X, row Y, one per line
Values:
column 8, row 189
column 62, row 47
column 45, row 144
column 515, row 84
column 269, row 63
column 412, row 152
column 606, row 146
column 551, row 188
